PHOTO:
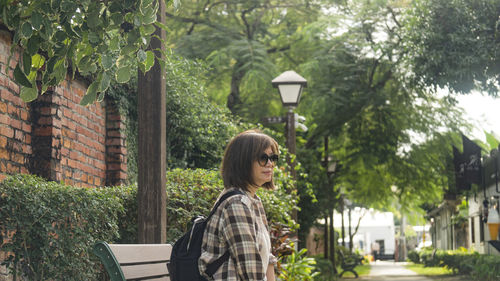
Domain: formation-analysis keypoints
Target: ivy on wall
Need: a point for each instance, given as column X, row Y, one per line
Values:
column 105, row 40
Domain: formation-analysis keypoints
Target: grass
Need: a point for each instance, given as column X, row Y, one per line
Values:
column 362, row 270
column 429, row 271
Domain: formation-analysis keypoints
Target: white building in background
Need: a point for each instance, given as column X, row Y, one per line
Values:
column 374, row 226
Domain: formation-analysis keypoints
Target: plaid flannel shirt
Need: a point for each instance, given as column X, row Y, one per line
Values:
column 234, row 227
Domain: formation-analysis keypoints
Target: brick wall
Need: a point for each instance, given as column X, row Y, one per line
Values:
column 54, row 136
column 15, row 125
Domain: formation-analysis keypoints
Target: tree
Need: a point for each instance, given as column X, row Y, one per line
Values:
column 454, row 44
column 105, row 40
column 242, row 41
column 388, row 136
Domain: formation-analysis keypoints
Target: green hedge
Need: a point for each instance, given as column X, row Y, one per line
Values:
column 479, row 267
column 49, row 229
column 193, row 192
column 52, row 227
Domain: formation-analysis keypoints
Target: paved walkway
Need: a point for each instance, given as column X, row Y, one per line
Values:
column 396, row 271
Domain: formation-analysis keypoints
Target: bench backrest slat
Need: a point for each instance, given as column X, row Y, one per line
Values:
column 134, row 262
column 141, row 253
column 145, row 270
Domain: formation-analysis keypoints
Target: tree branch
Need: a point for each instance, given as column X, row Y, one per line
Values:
column 275, row 49
column 245, row 22
column 219, row 27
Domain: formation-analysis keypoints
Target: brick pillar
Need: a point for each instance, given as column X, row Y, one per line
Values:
column 46, row 137
column 116, row 150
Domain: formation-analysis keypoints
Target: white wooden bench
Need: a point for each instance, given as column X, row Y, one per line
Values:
column 134, row 262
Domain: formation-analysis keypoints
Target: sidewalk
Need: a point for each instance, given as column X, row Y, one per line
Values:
column 396, row 271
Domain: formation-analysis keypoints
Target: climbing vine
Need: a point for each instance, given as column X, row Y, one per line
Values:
column 106, row 40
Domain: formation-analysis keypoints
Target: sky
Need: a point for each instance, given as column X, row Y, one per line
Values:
column 483, row 112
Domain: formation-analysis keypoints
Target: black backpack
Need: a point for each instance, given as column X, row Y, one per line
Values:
column 183, row 265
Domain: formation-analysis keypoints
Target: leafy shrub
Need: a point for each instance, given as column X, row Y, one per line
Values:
column 325, row 270
column 413, row 256
column 189, row 193
column 428, row 257
column 298, row 267
column 194, row 192
column 487, row 268
column 197, row 128
column 48, row 229
column 464, row 262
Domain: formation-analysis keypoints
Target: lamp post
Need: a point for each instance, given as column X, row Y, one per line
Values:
column 290, row 85
column 331, row 168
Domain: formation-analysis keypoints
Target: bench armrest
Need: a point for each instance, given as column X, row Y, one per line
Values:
column 103, row 251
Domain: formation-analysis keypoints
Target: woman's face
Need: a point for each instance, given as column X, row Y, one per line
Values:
column 263, row 173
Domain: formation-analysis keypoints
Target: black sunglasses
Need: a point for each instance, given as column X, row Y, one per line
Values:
column 264, row 158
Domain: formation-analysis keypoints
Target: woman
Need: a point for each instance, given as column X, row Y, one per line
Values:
column 239, row 225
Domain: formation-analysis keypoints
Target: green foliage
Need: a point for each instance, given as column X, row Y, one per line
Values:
column 48, row 229
column 189, row 193
column 413, row 256
column 197, row 129
column 324, row 269
column 243, row 42
column 460, row 219
column 298, row 267
column 479, row 267
column 193, row 192
column 453, row 43
column 491, row 140
column 106, row 40
column 384, row 133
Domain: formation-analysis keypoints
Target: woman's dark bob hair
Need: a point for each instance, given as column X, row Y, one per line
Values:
column 240, row 155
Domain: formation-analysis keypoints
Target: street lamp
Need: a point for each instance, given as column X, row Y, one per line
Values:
column 290, row 85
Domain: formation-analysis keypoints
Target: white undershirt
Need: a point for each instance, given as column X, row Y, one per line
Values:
column 263, row 241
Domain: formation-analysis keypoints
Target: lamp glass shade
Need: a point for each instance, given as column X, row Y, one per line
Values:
column 493, row 228
column 290, row 93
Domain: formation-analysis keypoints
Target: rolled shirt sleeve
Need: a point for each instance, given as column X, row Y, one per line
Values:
column 273, row 260
column 240, row 233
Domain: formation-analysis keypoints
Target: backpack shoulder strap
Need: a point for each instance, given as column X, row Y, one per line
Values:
column 224, row 197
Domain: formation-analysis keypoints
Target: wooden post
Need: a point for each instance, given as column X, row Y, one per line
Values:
column 152, row 214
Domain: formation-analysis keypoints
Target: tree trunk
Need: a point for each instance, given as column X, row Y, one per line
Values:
column 234, row 98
